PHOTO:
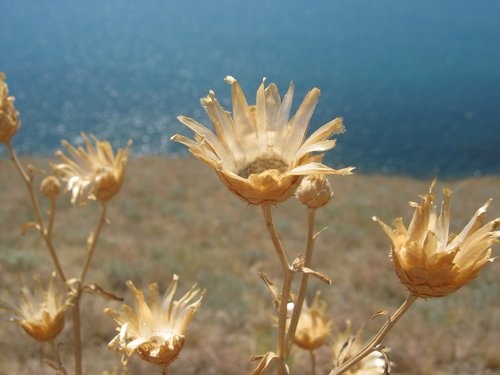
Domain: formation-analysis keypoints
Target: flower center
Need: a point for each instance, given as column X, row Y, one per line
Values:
column 260, row 165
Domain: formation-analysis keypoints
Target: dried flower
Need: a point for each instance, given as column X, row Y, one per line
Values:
column 314, row 191
column 313, row 328
column 429, row 261
column 155, row 331
column 346, row 345
column 50, row 187
column 258, row 153
column 9, row 118
column 40, row 314
column 95, row 173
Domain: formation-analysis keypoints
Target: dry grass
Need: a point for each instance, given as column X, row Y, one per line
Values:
column 175, row 216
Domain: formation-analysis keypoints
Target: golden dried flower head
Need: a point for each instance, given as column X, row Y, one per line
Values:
column 95, row 173
column 313, row 328
column 258, row 152
column 428, row 260
column 50, row 187
column 314, row 191
column 9, row 118
column 41, row 313
column 346, row 344
column 156, row 331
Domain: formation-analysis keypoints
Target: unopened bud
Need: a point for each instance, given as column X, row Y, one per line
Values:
column 314, row 191
column 50, row 187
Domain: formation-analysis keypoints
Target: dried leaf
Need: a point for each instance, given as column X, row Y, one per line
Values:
column 344, row 351
column 316, row 274
column 28, row 226
column 298, row 263
column 94, row 288
column 382, row 313
column 319, row 232
column 265, row 361
column 272, row 288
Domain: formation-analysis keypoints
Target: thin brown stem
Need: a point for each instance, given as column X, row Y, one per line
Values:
column 77, row 346
column 52, row 215
column 91, row 245
column 377, row 339
column 164, row 370
column 285, row 291
column 46, row 233
column 93, row 241
column 312, row 356
column 297, row 308
column 274, row 237
column 60, row 366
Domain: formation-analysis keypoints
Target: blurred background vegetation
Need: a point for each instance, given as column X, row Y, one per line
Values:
column 174, row 216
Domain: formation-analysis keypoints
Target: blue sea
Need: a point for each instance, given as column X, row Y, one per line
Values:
column 417, row 82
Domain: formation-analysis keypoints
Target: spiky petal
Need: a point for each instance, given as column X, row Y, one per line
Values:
column 95, row 173
column 428, row 260
column 155, row 330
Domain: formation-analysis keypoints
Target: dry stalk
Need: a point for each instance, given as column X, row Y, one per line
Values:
column 91, row 244
column 377, row 339
column 46, row 233
column 61, row 370
column 285, row 291
column 304, row 278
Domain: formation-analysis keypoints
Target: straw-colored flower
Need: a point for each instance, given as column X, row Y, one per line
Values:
column 41, row 313
column 258, row 152
column 346, row 345
column 156, row 331
column 428, row 260
column 9, row 118
column 95, row 173
column 313, row 328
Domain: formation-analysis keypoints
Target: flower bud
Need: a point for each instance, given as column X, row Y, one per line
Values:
column 50, row 187
column 314, row 191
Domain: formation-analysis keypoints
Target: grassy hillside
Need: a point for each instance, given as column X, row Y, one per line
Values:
column 174, row 216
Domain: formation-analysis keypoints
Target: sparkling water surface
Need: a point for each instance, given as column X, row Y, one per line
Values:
column 417, row 82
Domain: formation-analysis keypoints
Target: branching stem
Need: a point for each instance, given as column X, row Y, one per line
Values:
column 93, row 241
column 304, row 278
column 312, row 355
column 45, row 232
column 91, row 245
